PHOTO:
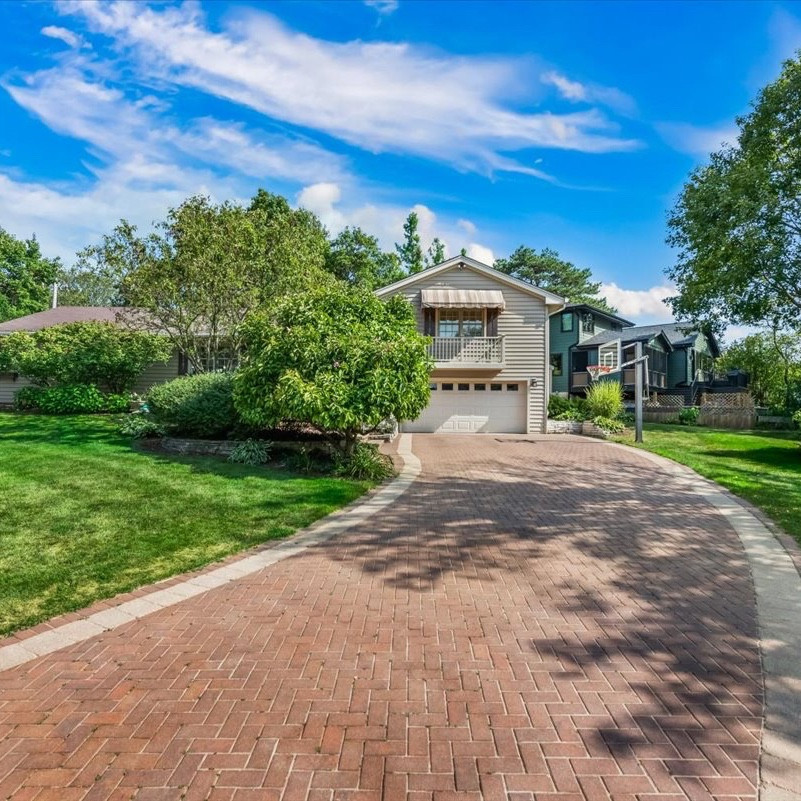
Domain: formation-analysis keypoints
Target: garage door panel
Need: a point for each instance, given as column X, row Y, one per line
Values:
column 472, row 411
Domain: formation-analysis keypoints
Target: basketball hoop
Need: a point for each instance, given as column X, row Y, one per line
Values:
column 597, row 370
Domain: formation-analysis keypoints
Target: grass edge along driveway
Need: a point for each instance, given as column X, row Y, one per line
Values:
column 84, row 516
column 763, row 467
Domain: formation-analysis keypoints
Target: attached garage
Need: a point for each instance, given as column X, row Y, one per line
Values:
column 465, row 406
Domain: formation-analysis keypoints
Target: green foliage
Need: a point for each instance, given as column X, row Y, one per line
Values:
column 356, row 258
column 557, row 405
column 435, row 253
column 611, row 425
column 140, row 426
column 736, row 223
column 26, row 277
column 547, row 270
column 336, row 358
column 106, row 355
column 560, row 408
column 410, row 252
column 364, row 463
column 199, row 405
column 797, row 419
column 573, row 413
column 70, row 399
column 688, row 416
column 604, row 399
column 303, row 461
column 251, row 452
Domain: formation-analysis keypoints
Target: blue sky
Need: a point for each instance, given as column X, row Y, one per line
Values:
column 562, row 125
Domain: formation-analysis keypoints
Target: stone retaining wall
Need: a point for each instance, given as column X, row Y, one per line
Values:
column 563, row 427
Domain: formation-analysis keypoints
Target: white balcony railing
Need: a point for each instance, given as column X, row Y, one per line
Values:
column 467, row 350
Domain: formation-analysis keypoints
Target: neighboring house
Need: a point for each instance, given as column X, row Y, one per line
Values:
column 490, row 347
column 571, row 327
column 11, row 383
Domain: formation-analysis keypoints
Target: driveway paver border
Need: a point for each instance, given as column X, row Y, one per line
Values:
column 777, row 585
column 95, row 623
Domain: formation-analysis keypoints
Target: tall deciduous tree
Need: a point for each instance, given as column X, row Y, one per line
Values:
column 26, row 276
column 410, row 252
column 737, row 222
column 336, row 358
column 435, row 253
column 356, row 258
column 547, row 270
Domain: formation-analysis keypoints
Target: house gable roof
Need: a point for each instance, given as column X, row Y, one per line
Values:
column 677, row 335
column 59, row 316
column 549, row 298
column 628, row 335
column 600, row 312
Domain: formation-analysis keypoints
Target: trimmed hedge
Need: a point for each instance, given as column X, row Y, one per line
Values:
column 200, row 405
column 70, row 399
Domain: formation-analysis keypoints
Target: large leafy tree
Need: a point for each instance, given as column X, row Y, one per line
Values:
column 356, row 258
column 26, row 276
column 410, row 251
column 737, row 223
column 547, row 270
column 435, row 253
column 336, row 358
column 206, row 266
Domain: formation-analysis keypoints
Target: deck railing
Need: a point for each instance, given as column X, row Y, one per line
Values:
column 467, row 350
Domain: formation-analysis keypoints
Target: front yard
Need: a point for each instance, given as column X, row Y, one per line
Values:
column 83, row 516
column 764, row 467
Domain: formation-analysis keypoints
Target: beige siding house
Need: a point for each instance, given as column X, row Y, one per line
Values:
column 490, row 344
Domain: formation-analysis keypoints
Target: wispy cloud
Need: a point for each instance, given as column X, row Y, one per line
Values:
column 698, row 140
column 67, row 36
column 383, row 6
column 578, row 92
column 382, row 97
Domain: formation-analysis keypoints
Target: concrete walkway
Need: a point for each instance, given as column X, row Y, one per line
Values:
column 531, row 619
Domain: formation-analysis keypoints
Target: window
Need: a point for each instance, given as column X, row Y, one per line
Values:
column 223, row 359
column 432, row 387
column 496, row 387
column 556, row 363
column 463, row 387
column 480, row 387
column 447, row 387
column 511, row 387
column 567, row 321
column 460, row 323
column 588, row 323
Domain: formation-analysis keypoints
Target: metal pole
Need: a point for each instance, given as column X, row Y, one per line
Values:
column 638, row 392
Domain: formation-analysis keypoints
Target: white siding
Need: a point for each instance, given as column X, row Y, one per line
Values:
column 522, row 324
column 157, row 374
column 9, row 387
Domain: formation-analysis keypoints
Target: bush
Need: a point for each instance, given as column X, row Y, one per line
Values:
column 200, row 405
column 140, row 426
column 365, row 463
column 688, row 416
column 605, row 399
column 251, row 452
column 558, row 405
column 571, row 414
column 608, row 424
column 797, row 419
column 70, row 399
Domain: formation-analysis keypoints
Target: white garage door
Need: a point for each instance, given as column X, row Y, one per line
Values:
column 464, row 407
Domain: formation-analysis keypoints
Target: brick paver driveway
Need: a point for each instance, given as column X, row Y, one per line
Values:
column 547, row 619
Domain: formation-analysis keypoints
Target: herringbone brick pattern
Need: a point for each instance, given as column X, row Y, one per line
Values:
column 534, row 619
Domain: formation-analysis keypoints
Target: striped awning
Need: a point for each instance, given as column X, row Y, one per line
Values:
column 444, row 298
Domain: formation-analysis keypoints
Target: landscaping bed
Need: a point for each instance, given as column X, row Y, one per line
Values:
column 84, row 516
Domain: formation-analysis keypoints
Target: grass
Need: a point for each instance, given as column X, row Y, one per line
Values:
column 84, row 516
column 764, row 467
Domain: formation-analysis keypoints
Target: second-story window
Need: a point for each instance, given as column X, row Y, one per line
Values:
column 460, row 323
column 567, row 321
column 588, row 323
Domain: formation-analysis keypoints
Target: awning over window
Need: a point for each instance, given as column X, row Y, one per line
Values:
column 444, row 298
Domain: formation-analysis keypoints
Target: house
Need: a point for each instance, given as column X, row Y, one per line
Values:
column 572, row 326
column 11, row 383
column 490, row 344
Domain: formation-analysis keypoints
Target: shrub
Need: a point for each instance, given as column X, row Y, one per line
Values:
column 558, row 405
column 797, row 419
column 571, row 414
column 365, row 463
column 608, row 424
column 605, row 399
column 199, row 405
column 140, row 426
column 70, row 399
column 251, row 452
column 688, row 416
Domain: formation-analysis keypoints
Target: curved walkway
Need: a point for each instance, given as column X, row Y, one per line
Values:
column 550, row 619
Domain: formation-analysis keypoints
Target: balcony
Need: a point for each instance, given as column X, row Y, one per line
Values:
column 476, row 352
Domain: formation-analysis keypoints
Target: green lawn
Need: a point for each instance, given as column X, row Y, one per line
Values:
column 84, row 516
column 764, row 467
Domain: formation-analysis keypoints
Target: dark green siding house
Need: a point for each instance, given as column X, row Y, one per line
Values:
column 569, row 328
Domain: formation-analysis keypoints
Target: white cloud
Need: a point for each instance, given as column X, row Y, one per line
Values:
column 578, row 92
column 480, row 252
column 468, row 227
column 69, row 37
column 383, row 97
column 383, row 6
column 697, row 140
column 648, row 304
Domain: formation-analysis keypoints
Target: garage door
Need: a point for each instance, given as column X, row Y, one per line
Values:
column 463, row 407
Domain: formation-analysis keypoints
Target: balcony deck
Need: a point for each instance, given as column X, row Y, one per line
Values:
column 474, row 352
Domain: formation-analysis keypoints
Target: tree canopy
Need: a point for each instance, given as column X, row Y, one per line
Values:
column 356, row 258
column 26, row 276
column 410, row 251
column 337, row 358
column 737, row 223
column 547, row 270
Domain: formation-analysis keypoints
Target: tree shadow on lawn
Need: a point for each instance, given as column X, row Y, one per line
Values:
column 784, row 458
